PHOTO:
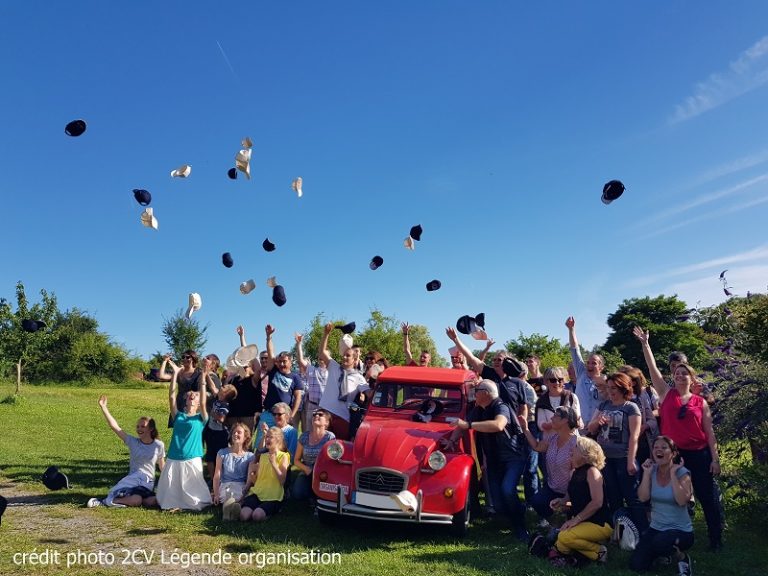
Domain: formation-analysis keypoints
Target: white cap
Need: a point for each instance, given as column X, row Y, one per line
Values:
column 247, row 286
column 345, row 344
column 406, row 501
column 148, row 219
column 195, row 303
column 182, row 171
column 296, row 185
column 243, row 162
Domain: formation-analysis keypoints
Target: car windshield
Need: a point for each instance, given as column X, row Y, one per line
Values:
column 407, row 396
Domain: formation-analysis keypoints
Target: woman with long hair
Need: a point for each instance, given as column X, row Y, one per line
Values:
column 231, row 473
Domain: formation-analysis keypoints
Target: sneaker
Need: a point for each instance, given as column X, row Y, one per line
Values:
column 602, row 554
column 684, row 566
column 94, row 502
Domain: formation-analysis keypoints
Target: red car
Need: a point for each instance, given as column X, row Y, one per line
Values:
column 396, row 468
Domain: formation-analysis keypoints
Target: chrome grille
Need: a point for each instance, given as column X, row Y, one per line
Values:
column 382, row 481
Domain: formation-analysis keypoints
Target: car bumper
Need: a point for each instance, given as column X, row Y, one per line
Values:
column 418, row 516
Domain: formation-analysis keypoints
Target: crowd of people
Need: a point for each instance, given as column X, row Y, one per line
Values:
column 583, row 443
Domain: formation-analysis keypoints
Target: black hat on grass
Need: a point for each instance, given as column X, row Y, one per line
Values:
column 54, row 479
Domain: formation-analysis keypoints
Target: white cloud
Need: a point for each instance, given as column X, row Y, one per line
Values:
column 747, row 72
column 732, row 167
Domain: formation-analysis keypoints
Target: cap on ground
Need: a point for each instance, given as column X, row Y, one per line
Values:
column 416, row 232
column 346, row 328
column 433, row 285
column 143, row 197
column 278, row 295
column 376, row 261
column 54, row 479
column 226, row 259
column 612, row 190
column 75, row 128
column 267, row 245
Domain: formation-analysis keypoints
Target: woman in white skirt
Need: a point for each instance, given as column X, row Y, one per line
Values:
column 181, row 485
column 232, row 472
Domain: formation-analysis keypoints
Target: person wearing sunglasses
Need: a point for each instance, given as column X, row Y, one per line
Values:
column 555, row 396
column 281, row 413
column 311, row 442
column 686, row 418
column 590, row 381
column 187, row 376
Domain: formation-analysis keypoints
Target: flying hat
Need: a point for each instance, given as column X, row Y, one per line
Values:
column 466, row 325
column 232, row 173
column 416, row 232
column 148, row 219
column 243, row 356
column 182, row 171
column 513, row 368
column 226, row 259
column 406, row 501
column 433, row 285
column 408, row 243
column 195, row 303
column 142, row 196
column 612, row 190
column 55, row 480
column 75, row 128
column 376, row 261
column 243, row 162
column 247, row 286
column 267, row 245
column 29, row 325
column 247, row 142
column 278, row 295
column 480, row 319
column 296, row 185
column 272, row 281
column 346, row 328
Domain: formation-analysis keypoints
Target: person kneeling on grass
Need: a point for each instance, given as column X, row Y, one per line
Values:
column 667, row 484
column 181, row 485
column 232, row 472
column 588, row 524
column 266, row 477
column 146, row 452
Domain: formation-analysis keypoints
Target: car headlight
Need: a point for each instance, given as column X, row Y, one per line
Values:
column 335, row 450
column 437, row 460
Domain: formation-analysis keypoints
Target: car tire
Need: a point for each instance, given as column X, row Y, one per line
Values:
column 460, row 521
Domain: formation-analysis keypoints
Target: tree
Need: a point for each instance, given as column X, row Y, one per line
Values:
column 666, row 317
column 551, row 351
column 182, row 333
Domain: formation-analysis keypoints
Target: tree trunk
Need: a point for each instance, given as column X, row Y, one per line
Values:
column 18, row 376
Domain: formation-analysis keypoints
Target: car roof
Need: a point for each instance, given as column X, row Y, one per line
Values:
column 448, row 377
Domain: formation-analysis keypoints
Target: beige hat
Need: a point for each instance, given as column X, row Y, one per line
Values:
column 148, row 219
column 247, row 286
column 195, row 303
column 479, row 334
column 406, row 501
column 182, row 171
column 296, row 185
column 408, row 243
column 243, row 162
column 345, row 344
column 247, row 142
column 272, row 281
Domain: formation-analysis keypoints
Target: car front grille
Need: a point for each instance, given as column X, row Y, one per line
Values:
column 382, row 481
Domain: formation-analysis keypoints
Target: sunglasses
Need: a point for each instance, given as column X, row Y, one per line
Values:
column 369, row 358
column 186, row 357
column 556, row 380
column 683, row 411
column 316, row 414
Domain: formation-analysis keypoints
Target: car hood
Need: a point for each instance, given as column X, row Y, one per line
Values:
column 396, row 443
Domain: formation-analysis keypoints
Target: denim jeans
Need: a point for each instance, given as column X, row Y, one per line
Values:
column 706, row 490
column 657, row 543
column 621, row 489
column 531, row 476
column 503, row 478
column 541, row 501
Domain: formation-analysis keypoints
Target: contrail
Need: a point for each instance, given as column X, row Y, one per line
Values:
column 227, row 61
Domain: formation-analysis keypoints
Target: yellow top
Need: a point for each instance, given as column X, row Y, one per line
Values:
column 267, row 486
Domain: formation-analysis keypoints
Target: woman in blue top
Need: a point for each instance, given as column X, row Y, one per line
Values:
column 309, row 447
column 667, row 484
column 181, row 484
column 232, row 471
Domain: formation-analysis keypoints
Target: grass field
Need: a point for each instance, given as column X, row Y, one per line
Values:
column 64, row 426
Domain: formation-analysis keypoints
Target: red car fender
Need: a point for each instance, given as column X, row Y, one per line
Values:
column 327, row 474
column 456, row 476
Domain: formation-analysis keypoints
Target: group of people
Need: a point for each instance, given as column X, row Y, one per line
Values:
column 608, row 442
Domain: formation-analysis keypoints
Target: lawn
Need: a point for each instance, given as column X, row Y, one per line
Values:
column 64, row 426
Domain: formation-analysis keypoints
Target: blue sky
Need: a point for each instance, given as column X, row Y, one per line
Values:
column 492, row 124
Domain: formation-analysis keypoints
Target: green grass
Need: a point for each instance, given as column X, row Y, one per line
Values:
column 64, row 426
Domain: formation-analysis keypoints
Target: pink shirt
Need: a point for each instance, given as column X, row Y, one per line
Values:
column 688, row 431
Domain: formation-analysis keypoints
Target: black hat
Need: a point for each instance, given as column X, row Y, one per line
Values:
column 466, row 325
column 376, row 261
column 226, row 259
column 512, row 367
column 75, row 128
column 55, row 480
column 278, row 295
column 29, row 325
column 142, row 196
column 480, row 319
column 416, row 232
column 232, row 173
column 346, row 328
column 268, row 246
column 612, row 190
column 3, row 506
column 433, row 285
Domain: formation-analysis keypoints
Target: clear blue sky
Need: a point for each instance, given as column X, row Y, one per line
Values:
column 492, row 124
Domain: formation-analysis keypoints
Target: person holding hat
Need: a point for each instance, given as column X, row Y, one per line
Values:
column 146, row 453
column 187, row 377
column 245, row 405
column 557, row 444
column 425, row 358
column 344, row 386
column 590, row 381
column 231, row 473
column 315, row 379
column 181, row 484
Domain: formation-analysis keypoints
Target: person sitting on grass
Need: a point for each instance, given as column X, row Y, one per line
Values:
column 181, row 485
column 307, row 451
column 232, row 472
column 588, row 525
column 146, row 452
column 281, row 413
column 667, row 485
column 266, row 478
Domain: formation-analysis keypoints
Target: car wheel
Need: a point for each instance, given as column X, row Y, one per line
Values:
column 326, row 518
column 460, row 521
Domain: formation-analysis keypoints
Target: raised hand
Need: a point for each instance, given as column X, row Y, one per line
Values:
column 570, row 322
column 405, row 328
column 641, row 335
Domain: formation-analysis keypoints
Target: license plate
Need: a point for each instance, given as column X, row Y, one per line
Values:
column 374, row 501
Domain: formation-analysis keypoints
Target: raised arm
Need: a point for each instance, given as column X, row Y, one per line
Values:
column 173, row 390
column 303, row 362
column 474, row 362
column 110, row 420
column 656, row 378
column 407, row 342
column 323, row 353
column 201, row 390
column 488, row 345
column 241, row 333
column 162, row 375
column 270, row 363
